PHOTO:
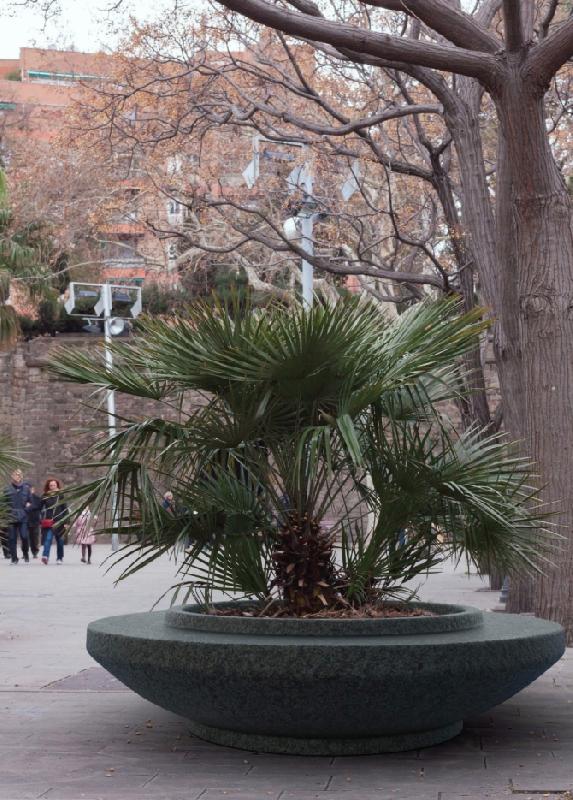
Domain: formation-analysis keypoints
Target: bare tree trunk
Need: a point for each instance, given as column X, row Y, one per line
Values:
column 477, row 400
column 507, row 342
column 477, row 214
column 544, row 249
column 496, row 243
column 496, row 578
column 475, row 407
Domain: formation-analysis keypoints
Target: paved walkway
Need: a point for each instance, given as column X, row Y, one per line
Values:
column 68, row 731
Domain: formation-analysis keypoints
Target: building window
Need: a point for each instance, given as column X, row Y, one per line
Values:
column 175, row 212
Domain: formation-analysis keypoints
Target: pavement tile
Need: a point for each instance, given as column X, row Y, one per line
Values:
column 529, row 779
column 106, row 792
column 302, row 773
column 486, row 794
column 360, row 794
column 260, row 784
column 22, row 789
column 244, row 794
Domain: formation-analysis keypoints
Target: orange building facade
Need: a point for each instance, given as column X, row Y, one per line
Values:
column 36, row 93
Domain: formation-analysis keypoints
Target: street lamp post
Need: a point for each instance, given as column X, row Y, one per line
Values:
column 107, row 301
column 307, row 219
column 106, row 297
column 112, row 326
column 300, row 177
column 301, row 226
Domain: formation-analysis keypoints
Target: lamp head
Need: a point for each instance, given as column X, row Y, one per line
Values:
column 291, row 229
column 116, row 326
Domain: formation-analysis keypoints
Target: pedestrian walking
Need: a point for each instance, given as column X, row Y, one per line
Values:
column 168, row 502
column 17, row 495
column 53, row 512
column 84, row 535
column 33, row 514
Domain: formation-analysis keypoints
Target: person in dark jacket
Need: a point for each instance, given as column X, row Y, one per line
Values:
column 168, row 503
column 52, row 513
column 33, row 512
column 17, row 495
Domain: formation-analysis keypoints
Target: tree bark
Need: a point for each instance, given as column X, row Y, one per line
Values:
column 474, row 407
column 472, row 235
column 507, row 343
column 476, row 213
column 496, row 578
column 544, row 250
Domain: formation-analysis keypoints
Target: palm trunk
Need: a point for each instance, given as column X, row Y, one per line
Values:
column 303, row 565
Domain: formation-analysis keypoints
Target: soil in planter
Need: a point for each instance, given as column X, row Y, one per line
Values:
column 368, row 611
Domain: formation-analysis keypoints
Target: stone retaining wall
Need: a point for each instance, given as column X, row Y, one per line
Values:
column 52, row 421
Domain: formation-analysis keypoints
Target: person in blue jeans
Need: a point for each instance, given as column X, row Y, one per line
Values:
column 33, row 518
column 17, row 495
column 53, row 512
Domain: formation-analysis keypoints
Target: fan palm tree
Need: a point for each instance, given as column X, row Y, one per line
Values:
column 278, row 419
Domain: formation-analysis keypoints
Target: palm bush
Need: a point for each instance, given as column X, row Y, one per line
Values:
column 278, row 421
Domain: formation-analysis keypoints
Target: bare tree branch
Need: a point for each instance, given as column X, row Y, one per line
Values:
column 285, row 295
column 550, row 54
column 459, row 28
column 427, row 77
column 359, row 124
column 528, row 9
column 484, row 16
column 513, row 24
column 550, row 10
column 306, row 6
column 381, row 45
column 331, row 265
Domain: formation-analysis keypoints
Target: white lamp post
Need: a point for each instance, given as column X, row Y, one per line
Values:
column 300, row 177
column 301, row 226
column 113, row 326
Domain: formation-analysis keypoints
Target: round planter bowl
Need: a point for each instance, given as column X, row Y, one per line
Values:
column 326, row 687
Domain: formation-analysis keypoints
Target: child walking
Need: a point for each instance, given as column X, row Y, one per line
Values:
column 83, row 529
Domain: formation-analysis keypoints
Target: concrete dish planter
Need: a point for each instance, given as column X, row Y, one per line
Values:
column 326, row 687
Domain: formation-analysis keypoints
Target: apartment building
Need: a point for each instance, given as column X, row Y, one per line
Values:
column 36, row 93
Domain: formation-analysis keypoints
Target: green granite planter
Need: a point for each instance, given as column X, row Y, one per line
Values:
column 326, row 687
